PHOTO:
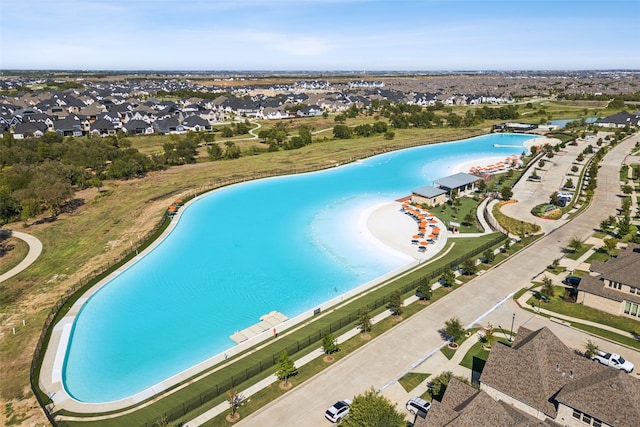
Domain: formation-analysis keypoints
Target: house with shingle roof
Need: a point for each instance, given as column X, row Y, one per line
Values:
column 463, row 405
column 540, row 376
column 614, row 286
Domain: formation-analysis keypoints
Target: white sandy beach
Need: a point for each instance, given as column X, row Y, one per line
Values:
column 388, row 226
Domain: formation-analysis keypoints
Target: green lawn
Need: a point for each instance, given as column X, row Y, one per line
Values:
column 598, row 255
column 557, row 305
column 574, row 255
column 478, row 351
column 449, row 352
column 411, row 380
column 446, row 213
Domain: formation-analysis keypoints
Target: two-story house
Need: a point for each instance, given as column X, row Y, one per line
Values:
column 614, row 286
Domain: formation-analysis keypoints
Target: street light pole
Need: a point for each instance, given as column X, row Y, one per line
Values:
column 511, row 331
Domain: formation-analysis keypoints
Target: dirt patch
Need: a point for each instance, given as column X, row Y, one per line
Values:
column 285, row 386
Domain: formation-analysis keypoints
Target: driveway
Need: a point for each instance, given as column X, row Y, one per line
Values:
column 382, row 361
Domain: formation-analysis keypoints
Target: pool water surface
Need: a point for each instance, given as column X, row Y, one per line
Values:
column 286, row 244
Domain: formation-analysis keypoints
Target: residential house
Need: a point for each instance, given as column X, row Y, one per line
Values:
column 540, row 376
column 463, row 405
column 614, row 286
column 29, row 130
column 196, row 124
column 103, row 127
column 462, row 183
column 169, row 125
column 72, row 126
column 138, row 127
column 310, row 111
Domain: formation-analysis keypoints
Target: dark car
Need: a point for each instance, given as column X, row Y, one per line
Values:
column 571, row 281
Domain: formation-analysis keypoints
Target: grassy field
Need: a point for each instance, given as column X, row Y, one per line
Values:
column 12, row 251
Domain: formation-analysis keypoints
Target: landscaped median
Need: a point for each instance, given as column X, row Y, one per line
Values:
column 194, row 397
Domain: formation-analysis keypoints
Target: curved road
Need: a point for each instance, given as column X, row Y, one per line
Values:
column 381, row 362
column 35, row 249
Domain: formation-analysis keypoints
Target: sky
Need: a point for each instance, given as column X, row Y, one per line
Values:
column 320, row 35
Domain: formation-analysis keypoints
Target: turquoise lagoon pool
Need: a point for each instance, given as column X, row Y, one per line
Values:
column 286, row 244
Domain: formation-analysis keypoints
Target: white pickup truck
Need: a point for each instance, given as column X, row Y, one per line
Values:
column 613, row 360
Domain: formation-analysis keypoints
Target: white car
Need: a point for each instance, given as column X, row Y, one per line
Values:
column 613, row 360
column 338, row 411
column 417, row 405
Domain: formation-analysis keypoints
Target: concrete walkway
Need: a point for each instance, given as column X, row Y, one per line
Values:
column 35, row 249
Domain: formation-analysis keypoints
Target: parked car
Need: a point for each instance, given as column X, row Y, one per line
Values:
column 613, row 360
column 419, row 406
column 338, row 411
column 571, row 281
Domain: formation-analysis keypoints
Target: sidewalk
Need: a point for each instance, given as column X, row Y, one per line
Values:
column 35, row 249
column 566, row 320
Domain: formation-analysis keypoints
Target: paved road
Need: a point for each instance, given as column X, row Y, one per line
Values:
column 381, row 362
column 35, row 249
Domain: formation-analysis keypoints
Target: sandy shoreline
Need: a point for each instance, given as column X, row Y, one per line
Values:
column 386, row 226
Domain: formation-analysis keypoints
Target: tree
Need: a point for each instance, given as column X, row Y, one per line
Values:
column 389, row 135
column 373, row 410
column 569, row 183
column 488, row 256
column 285, row 367
column 424, row 289
column 627, row 189
column 547, row 287
column 329, row 343
column 395, row 303
column 541, row 163
column 439, row 384
column 575, row 244
column 469, row 218
column 506, row 193
column 624, row 225
column 364, row 321
column 574, row 169
column 448, row 277
column 214, row 151
column 342, row 132
column 489, row 335
column 454, row 329
column 232, row 151
column 610, row 245
column 580, row 157
column 554, row 200
column 235, row 399
column 469, row 266
column 590, row 348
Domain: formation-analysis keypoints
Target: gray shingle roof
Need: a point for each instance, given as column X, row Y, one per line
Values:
column 457, row 180
column 463, row 406
column 539, row 365
column 625, row 268
column 610, row 395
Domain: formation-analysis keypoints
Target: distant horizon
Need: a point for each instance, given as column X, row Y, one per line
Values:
column 335, row 71
column 319, row 35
